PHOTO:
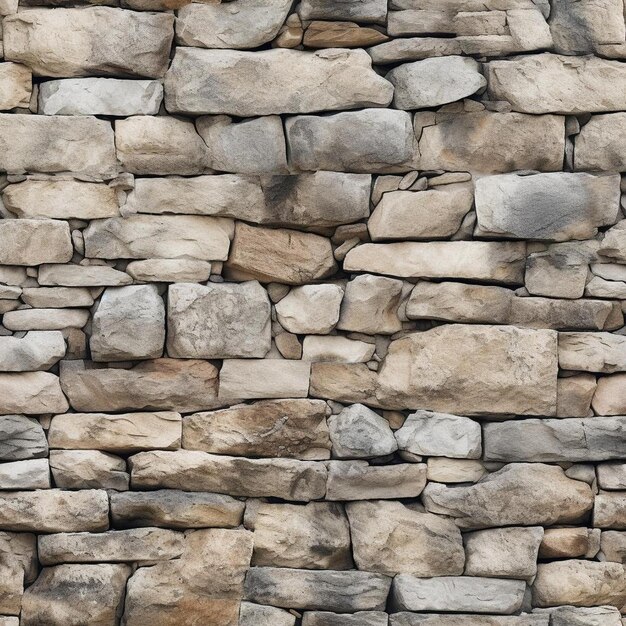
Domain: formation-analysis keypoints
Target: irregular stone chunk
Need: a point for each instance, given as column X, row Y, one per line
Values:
column 574, row 395
column 272, row 428
column 234, row 82
column 35, row 351
column 579, row 583
column 37, row 143
column 535, row 493
column 175, row 509
column 100, row 96
column 254, row 478
column 494, row 383
column 258, row 615
column 341, row 35
column 88, row 469
column 614, row 243
column 599, row 146
column 310, row 309
column 555, row 207
column 423, row 619
column 82, row 276
column 45, row 319
column 612, row 475
column 11, row 587
column 33, row 242
column 600, row 288
column 549, row 83
column 32, row 393
column 578, row 440
column 582, row 616
column 477, row 260
column 443, row 470
column 493, row 142
column 30, row 474
column 556, row 275
column 413, row 49
column 128, row 432
column 433, row 82
column 357, row 480
column 457, row 594
column 54, row 511
column 344, row 592
column 315, row 536
column 565, row 542
column 357, row 10
column 610, row 395
column 344, row 382
column 204, row 586
column 160, row 237
column 218, row 321
column 613, row 545
column 389, row 538
column 169, row 270
column 128, row 324
column 21, row 550
column 278, row 255
column 438, row 434
column 239, row 25
column 335, row 348
column 15, row 86
column 610, row 510
column 371, row 140
column 21, row 438
column 161, row 384
column 105, row 41
column 141, row 545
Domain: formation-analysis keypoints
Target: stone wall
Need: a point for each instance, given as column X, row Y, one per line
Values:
column 312, row 314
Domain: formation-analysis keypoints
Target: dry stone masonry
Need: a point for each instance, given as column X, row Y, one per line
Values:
column 312, row 313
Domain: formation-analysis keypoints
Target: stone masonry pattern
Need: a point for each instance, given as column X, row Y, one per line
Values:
column 312, row 314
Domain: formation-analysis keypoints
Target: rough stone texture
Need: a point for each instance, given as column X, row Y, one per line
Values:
column 598, row 146
column 16, row 84
column 37, row 350
column 88, row 469
column 592, row 352
column 21, row 438
column 32, row 393
column 610, row 395
column 310, row 309
column 33, row 242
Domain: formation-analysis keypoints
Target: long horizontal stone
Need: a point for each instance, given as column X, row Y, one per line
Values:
column 478, row 260
column 413, row 49
column 592, row 352
column 425, row 619
column 235, row 82
column 82, row 276
column 237, row 476
column 37, row 350
column 33, row 242
column 360, row 618
column 45, row 319
column 32, row 393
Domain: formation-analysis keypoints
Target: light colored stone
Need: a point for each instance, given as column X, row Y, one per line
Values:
column 29, row 474
column 360, row 618
column 21, row 438
column 420, row 22
column 574, row 395
column 45, row 319
column 357, row 10
column 82, row 275
column 613, row 244
column 443, row 470
column 218, row 321
column 105, row 41
column 609, row 271
column 234, row 82
column 321, row 34
column 35, row 351
column 413, row 49
column 556, row 275
column 610, row 395
column 592, row 352
column 88, row 469
column 600, row 288
column 613, row 545
column 15, row 86
column 33, row 242
column 438, row 434
column 599, row 146
column 535, row 494
column 169, row 270
column 438, row 619
column 612, row 475
column 565, row 542
column 610, row 510
column 336, row 349
column 20, row 550
column 310, row 309
column 582, row 616
column 32, row 393
column 57, row 297
column 251, row 614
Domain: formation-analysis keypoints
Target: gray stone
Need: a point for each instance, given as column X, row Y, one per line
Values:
column 21, row 548
column 32, row 393
column 37, row 350
column 600, row 144
column 556, row 274
column 82, row 275
column 251, row 614
column 614, row 243
column 15, row 85
column 356, row 10
column 413, row 49
column 29, row 474
column 88, row 469
column 423, row 619
column 613, row 546
column 169, row 270
column 612, row 475
column 33, row 242
column 21, row 438
column 609, row 510
column 361, row 618
column 582, row 616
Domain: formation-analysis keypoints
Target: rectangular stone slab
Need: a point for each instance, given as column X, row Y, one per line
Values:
column 417, row 619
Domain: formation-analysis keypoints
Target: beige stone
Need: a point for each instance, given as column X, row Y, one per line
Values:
column 82, row 275
column 344, row 382
column 21, row 549
column 574, row 395
column 610, row 395
column 45, row 319
column 321, row 34
column 15, row 86
column 565, row 543
column 31, row 393
column 88, row 469
column 613, row 544
column 169, row 271
column 592, row 352
column 57, row 297
column 610, row 510
column 413, row 49
column 599, row 146
column 310, row 309
column 33, row 242
column 443, row 470
column 612, row 475
column 336, row 349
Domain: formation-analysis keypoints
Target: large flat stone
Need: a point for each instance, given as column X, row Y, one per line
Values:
column 360, row 618
column 359, row 11
column 33, row 242
column 37, row 350
column 424, row 619
column 32, row 393
column 55, row 274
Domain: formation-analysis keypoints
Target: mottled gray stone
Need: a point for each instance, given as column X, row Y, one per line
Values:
column 356, row 10
column 21, row 438
column 251, row 614
column 423, row 619
column 582, row 616
column 361, row 618
column 28, row 474
column 600, row 144
column 37, row 350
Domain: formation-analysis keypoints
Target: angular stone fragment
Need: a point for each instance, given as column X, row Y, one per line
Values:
column 272, row 428
column 35, row 351
column 255, row 478
column 579, row 583
column 33, row 242
column 436, row 81
column 370, row 140
column 171, row 508
column 357, row 10
column 88, row 469
column 610, row 395
column 161, row 237
column 169, row 270
column 54, row 511
column 251, row 614
column 21, row 438
column 613, row 545
column 315, row 536
column 15, row 86
column 420, row 22
column 556, row 275
column 490, row 142
column 32, row 393
column 278, row 255
column 536, row 494
column 100, row 96
column 614, row 243
column 21, row 550
column 599, row 146
column 128, row 324
column 11, row 586
column 434, row 619
column 218, row 321
column 361, row 618
column 438, row 434
column 612, row 475
column 29, row 474
column 335, row 348
column 555, row 207
column 389, row 538
column 45, row 319
column 344, row 592
column 310, row 309
column 413, row 49
column 104, row 41
column 234, row 82
column 610, row 510
column 341, row 35
column 457, row 594
column 230, row 25
column 161, row 384
column 82, row 275
column 574, row 395
column 549, row 83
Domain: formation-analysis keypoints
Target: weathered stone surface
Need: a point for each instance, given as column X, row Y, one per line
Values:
column 33, row 242
column 341, row 35
column 169, row 270
column 360, row 11
column 251, row 614
column 610, row 510
column 361, row 618
column 315, row 536
column 21, row 549
column 436, row 81
column 54, row 511
column 438, row 434
column 613, row 545
column 336, row 349
column 310, row 309
column 161, row 384
column 272, row 428
column 105, row 41
column 423, row 619
column 233, row 82
column 574, row 395
column 57, row 297
column 129, row 323
column 29, row 474
column 549, row 83
column 100, row 96
column 457, row 594
column 230, row 25
column 390, row 538
column 370, row 140
column 582, row 616
column 535, row 494
column 443, row 470
column 566, row 542
column 555, row 207
column 37, row 350
column 88, row 469
column 360, row 433
column 599, row 146
column 344, row 382
column 48, row 601
column 344, row 592
column 279, row 255
column 493, row 142
column 172, row 508
column 32, row 393
column 610, row 395
column 579, row 583
column 612, row 475
column 494, row 383
column 15, row 86
column 45, row 319
column 82, row 275
column 413, row 49
column 161, row 237
column 478, row 260
column 256, row 478
column 21, row 438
